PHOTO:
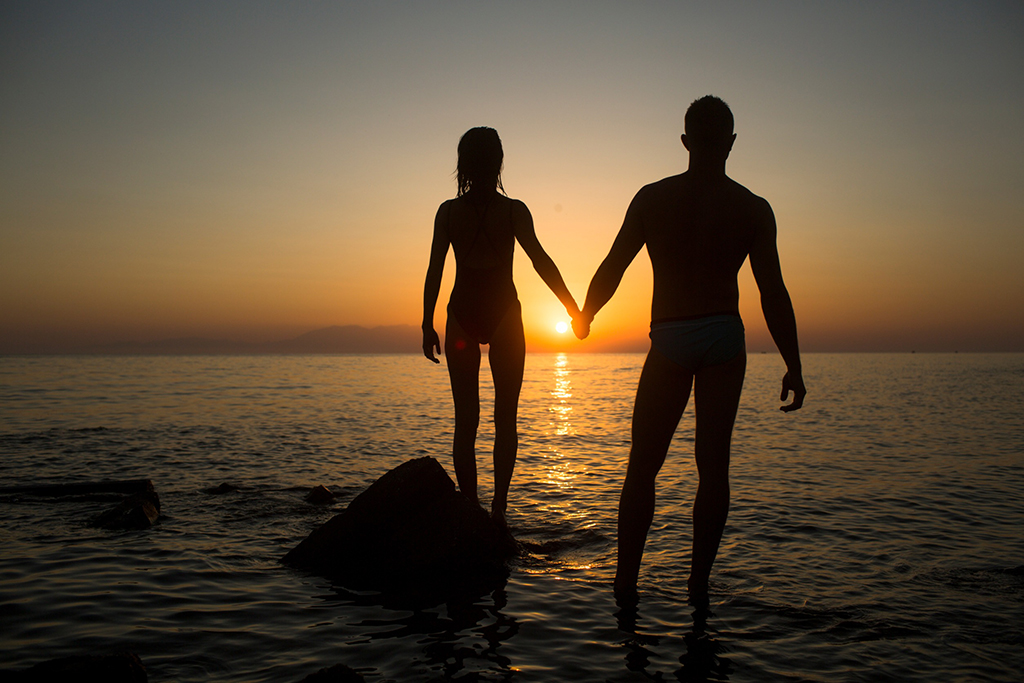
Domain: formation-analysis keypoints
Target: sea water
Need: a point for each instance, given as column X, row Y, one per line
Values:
column 875, row 535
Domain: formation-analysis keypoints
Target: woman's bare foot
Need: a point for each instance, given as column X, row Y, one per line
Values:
column 498, row 515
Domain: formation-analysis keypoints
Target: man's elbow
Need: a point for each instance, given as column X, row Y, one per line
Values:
column 775, row 298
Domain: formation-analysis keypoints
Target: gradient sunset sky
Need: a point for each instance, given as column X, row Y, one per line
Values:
column 255, row 170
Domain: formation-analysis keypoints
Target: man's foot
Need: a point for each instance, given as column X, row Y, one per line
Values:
column 628, row 612
column 625, row 591
column 698, row 593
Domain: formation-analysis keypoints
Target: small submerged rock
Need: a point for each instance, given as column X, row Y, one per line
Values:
column 121, row 667
column 138, row 511
column 222, row 489
column 410, row 529
column 320, row 495
column 339, row 673
column 81, row 489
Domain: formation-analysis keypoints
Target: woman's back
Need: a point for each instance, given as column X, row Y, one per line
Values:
column 483, row 237
column 481, row 231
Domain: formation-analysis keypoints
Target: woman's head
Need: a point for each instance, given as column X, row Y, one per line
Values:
column 480, row 160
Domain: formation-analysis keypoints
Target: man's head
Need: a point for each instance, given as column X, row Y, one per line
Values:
column 708, row 127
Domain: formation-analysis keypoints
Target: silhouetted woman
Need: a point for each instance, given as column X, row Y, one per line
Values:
column 482, row 224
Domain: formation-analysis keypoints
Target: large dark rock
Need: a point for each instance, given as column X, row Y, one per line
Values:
column 409, row 529
column 123, row 667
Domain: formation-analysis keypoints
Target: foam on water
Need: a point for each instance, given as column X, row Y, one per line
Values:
column 874, row 535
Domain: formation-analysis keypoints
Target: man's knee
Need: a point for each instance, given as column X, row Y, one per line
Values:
column 506, row 431
column 713, row 479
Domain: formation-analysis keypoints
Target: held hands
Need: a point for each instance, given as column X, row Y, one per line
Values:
column 431, row 342
column 793, row 382
column 581, row 324
column 580, row 321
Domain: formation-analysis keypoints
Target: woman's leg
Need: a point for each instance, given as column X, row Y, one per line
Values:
column 464, row 373
column 507, row 356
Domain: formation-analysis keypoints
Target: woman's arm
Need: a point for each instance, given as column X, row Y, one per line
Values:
column 432, row 286
column 522, row 225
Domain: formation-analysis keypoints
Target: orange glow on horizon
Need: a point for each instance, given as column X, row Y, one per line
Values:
column 272, row 197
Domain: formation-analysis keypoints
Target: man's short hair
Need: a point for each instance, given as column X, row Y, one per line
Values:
column 708, row 119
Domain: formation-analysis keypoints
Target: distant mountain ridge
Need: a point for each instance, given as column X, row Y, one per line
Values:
column 335, row 339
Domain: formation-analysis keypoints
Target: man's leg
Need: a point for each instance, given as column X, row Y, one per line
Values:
column 716, row 397
column 660, row 400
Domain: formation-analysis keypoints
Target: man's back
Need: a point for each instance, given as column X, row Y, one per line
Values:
column 698, row 232
column 698, row 228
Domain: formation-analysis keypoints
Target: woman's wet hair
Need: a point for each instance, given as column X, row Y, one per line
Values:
column 480, row 160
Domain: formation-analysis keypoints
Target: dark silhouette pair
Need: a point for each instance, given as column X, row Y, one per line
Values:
column 699, row 227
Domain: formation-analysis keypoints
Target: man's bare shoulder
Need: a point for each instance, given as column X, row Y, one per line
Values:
column 743, row 195
column 658, row 191
column 667, row 185
column 737, row 193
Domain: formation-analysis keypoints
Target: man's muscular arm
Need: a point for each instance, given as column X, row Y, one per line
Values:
column 609, row 274
column 776, row 304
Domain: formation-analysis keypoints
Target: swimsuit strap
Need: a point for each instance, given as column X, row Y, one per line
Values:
column 490, row 240
column 480, row 228
column 479, row 225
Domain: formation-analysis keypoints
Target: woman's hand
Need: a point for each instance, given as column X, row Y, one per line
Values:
column 581, row 325
column 431, row 342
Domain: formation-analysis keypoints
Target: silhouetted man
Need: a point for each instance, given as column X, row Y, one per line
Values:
column 699, row 227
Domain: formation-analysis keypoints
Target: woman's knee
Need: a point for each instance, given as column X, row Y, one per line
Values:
column 467, row 418
column 644, row 464
column 466, row 428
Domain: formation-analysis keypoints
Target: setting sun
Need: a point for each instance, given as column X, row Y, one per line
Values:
column 561, row 327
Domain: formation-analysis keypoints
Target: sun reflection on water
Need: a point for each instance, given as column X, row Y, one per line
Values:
column 561, row 408
column 559, row 471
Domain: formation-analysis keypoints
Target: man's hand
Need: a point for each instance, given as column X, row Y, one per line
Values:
column 793, row 382
column 581, row 325
column 431, row 342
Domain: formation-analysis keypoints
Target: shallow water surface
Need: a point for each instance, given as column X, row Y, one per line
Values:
column 873, row 536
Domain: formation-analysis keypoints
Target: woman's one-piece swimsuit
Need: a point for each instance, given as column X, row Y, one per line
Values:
column 482, row 296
